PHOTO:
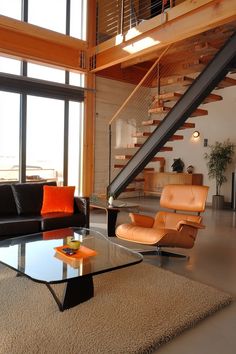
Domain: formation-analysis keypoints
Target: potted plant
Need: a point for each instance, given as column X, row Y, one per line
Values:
column 218, row 158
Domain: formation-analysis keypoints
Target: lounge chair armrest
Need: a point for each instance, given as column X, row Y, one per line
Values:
column 193, row 224
column 141, row 220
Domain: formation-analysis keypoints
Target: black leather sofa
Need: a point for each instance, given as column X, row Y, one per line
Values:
column 20, row 206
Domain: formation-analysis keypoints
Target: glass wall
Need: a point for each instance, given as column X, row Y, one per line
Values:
column 48, row 14
column 46, row 73
column 9, row 136
column 75, row 144
column 11, row 8
column 44, row 119
column 45, row 139
column 78, row 13
column 10, row 66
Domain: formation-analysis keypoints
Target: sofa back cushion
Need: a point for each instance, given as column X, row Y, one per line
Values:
column 29, row 197
column 7, row 201
column 58, row 199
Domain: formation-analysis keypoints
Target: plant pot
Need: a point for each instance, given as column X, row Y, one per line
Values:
column 217, row 202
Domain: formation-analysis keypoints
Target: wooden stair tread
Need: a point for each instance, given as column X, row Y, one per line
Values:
column 174, row 96
column 159, row 110
column 176, row 137
column 164, row 148
column 141, row 134
column 169, row 96
column 226, row 82
column 198, row 112
column 213, row 98
column 130, row 189
column 138, row 179
column 123, row 157
column 127, row 157
column 187, row 126
column 151, row 122
column 157, row 122
column 176, row 80
column 145, row 169
column 147, row 134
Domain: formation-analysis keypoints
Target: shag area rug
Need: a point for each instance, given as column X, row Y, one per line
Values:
column 134, row 310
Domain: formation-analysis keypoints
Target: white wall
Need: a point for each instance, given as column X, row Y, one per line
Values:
column 219, row 125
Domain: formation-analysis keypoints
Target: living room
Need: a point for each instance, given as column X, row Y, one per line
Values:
column 76, row 151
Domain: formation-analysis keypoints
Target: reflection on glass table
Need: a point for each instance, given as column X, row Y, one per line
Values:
column 35, row 257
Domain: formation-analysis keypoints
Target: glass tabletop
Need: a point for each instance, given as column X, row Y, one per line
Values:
column 116, row 204
column 35, row 255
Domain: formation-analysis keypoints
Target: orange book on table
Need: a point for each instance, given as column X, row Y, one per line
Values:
column 82, row 252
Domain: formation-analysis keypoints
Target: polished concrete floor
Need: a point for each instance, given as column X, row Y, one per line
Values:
column 212, row 261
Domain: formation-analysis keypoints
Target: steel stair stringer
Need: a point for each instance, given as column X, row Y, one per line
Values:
column 213, row 73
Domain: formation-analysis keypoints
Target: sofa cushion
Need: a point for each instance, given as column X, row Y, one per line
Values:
column 7, row 201
column 58, row 199
column 60, row 220
column 29, row 197
column 12, row 227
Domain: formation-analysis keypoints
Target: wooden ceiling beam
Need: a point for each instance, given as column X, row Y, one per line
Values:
column 184, row 21
column 22, row 40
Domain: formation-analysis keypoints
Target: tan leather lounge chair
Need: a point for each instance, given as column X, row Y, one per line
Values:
column 176, row 228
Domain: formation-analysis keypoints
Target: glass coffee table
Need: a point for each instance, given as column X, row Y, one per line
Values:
column 38, row 257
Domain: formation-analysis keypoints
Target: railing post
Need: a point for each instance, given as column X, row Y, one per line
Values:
column 109, row 167
column 122, row 17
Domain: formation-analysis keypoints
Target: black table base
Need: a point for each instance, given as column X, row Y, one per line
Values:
column 76, row 291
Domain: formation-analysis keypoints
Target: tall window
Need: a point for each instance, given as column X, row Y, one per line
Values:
column 11, row 8
column 75, row 143
column 45, row 73
column 44, row 120
column 48, row 14
column 78, row 19
column 45, row 136
column 9, row 136
column 10, row 66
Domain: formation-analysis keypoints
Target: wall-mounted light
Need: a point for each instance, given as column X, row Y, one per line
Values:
column 196, row 134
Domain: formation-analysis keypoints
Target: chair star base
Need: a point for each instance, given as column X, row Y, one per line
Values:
column 160, row 252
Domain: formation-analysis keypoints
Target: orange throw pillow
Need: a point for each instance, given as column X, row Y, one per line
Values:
column 58, row 199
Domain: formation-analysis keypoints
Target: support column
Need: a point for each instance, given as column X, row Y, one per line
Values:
column 89, row 110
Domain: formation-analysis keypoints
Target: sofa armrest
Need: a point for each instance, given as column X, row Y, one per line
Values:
column 81, row 205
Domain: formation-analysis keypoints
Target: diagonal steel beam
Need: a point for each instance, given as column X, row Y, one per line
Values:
column 193, row 97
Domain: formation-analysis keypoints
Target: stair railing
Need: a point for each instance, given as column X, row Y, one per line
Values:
column 126, row 102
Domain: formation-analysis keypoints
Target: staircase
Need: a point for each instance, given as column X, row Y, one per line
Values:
column 178, row 100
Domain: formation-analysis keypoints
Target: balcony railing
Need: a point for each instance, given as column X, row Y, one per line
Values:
column 118, row 16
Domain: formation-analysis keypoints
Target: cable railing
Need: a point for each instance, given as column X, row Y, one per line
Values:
column 119, row 16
